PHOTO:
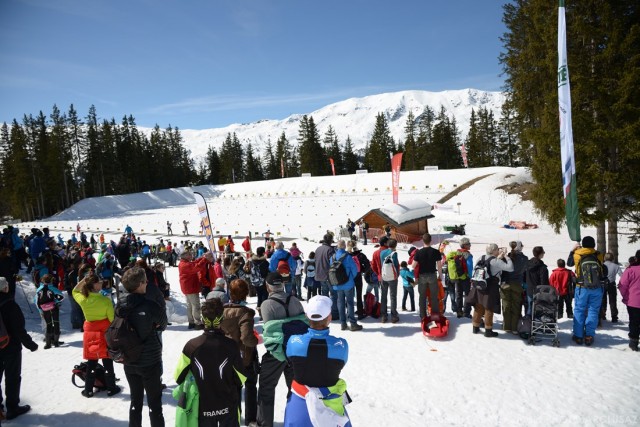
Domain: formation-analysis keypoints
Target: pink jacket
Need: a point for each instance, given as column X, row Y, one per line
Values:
column 630, row 286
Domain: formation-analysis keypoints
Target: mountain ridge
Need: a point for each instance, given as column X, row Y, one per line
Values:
column 353, row 117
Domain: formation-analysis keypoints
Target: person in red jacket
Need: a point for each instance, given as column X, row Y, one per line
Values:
column 376, row 263
column 562, row 279
column 208, row 275
column 246, row 245
column 190, row 272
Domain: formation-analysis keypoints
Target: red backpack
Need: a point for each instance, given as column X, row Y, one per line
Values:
column 371, row 306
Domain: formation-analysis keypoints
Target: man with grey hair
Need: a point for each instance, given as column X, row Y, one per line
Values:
column 143, row 374
column 460, row 273
column 487, row 302
column 278, row 307
column 324, row 252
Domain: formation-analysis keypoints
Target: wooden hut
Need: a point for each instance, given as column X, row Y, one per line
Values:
column 408, row 220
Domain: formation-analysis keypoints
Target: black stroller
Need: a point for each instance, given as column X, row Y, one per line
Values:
column 544, row 316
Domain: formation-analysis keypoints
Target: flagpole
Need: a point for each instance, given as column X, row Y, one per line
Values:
column 569, row 186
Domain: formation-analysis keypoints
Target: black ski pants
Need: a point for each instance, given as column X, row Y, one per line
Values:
column 145, row 379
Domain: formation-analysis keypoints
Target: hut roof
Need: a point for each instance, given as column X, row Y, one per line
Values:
column 406, row 212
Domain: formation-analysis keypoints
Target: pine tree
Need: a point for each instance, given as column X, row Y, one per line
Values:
column 443, row 149
column 410, row 145
column 332, row 149
column 509, row 152
column 285, row 157
column 351, row 164
column 212, row 162
column 270, row 165
column 379, row 148
column 252, row 168
column 603, row 41
column 313, row 159
column 425, row 122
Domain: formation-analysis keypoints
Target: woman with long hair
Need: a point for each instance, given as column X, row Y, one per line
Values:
column 98, row 312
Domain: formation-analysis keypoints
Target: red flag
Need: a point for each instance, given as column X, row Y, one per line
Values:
column 464, row 155
column 333, row 166
column 282, row 166
column 396, row 162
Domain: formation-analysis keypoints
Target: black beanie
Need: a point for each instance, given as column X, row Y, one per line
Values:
column 588, row 242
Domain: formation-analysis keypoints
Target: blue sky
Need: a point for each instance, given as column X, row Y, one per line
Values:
column 199, row 64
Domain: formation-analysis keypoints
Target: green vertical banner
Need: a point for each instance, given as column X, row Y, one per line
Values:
column 570, row 190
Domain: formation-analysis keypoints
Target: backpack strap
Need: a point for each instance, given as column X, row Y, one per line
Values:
column 284, row 304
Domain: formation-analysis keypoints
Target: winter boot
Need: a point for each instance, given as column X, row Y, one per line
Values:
column 490, row 334
column 476, row 329
column 89, row 379
column 633, row 344
column 112, row 388
column 48, row 339
column 56, row 340
column 588, row 341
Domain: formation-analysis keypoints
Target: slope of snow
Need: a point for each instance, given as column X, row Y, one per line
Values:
column 354, row 117
column 396, row 377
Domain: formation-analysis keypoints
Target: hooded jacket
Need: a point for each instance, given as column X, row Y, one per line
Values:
column 537, row 274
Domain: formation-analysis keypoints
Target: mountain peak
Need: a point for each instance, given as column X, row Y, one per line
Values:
column 354, row 117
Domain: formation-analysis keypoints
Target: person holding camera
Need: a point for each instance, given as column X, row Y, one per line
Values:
column 487, row 302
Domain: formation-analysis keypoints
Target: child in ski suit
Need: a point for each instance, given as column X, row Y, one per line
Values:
column 562, row 279
column 49, row 310
column 407, row 286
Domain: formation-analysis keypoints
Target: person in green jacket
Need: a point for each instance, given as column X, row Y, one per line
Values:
column 209, row 374
column 98, row 312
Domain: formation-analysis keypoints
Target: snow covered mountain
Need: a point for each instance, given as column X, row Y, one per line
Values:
column 354, row 117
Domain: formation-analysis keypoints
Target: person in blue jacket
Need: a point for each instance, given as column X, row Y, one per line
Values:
column 345, row 291
column 48, row 299
column 37, row 245
column 316, row 348
column 282, row 254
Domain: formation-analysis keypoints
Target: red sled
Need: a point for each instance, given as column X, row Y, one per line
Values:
column 435, row 326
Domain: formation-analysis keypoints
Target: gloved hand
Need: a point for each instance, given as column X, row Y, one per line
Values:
column 33, row 346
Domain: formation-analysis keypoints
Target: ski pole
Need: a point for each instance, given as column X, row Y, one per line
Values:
column 25, row 296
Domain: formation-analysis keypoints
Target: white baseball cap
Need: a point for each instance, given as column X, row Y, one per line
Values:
column 318, row 308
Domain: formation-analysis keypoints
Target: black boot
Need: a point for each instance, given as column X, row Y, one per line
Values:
column 56, row 340
column 89, row 379
column 48, row 339
column 112, row 388
column 476, row 329
column 633, row 344
column 489, row 333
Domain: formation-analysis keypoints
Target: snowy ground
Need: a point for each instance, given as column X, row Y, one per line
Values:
column 395, row 376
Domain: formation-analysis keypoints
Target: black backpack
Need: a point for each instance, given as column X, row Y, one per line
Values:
column 591, row 271
column 80, row 371
column 123, row 343
column 337, row 272
column 46, row 300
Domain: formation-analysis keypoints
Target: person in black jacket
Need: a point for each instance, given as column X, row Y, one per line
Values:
column 11, row 355
column 536, row 273
column 144, row 374
column 216, row 365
